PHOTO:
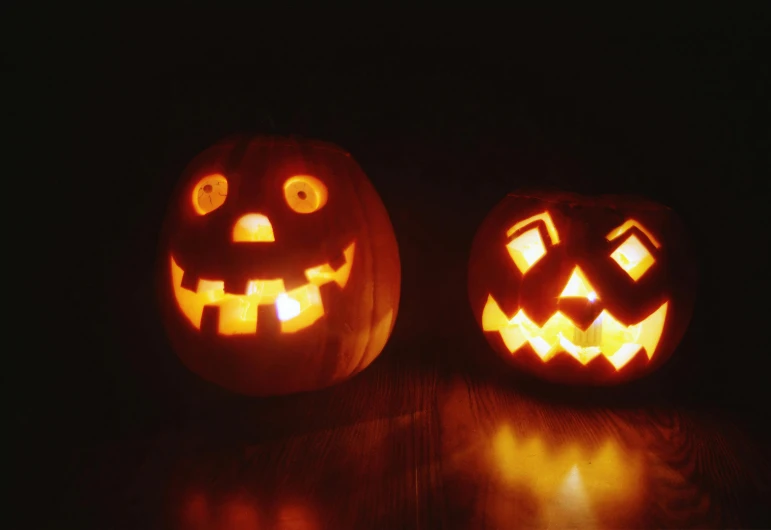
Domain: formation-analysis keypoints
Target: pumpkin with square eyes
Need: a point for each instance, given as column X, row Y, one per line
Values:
column 582, row 290
column 279, row 267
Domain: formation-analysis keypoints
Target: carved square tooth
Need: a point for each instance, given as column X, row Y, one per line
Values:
column 210, row 320
column 294, row 280
column 189, row 280
column 267, row 320
column 236, row 286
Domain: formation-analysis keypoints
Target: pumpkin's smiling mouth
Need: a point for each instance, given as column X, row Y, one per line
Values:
column 605, row 336
column 237, row 314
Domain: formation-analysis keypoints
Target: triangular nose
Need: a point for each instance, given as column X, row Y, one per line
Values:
column 253, row 228
column 578, row 300
column 579, row 287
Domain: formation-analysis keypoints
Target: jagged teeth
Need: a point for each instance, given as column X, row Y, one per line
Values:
column 237, row 303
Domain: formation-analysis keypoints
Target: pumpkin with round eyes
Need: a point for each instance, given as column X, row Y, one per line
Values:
column 582, row 290
column 279, row 266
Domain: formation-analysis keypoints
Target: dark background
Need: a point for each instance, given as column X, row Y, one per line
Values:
column 444, row 117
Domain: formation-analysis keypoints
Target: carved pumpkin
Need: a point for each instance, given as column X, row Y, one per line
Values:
column 579, row 289
column 279, row 267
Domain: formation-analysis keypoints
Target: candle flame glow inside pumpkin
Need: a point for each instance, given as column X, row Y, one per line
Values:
column 605, row 335
column 296, row 309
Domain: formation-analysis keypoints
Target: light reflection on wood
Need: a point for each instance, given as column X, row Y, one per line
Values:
column 203, row 511
column 512, row 462
column 569, row 482
column 333, row 478
column 477, row 454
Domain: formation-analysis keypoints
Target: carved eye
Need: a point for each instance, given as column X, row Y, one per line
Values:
column 526, row 249
column 305, row 194
column 633, row 257
column 209, row 194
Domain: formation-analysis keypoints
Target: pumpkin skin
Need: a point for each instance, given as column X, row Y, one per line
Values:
column 582, row 290
column 279, row 268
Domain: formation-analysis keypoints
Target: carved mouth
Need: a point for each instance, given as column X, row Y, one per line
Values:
column 237, row 313
column 605, row 336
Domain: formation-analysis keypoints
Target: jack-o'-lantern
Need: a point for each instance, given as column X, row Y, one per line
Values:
column 279, row 266
column 582, row 290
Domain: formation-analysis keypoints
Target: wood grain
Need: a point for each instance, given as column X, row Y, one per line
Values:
column 510, row 461
column 402, row 447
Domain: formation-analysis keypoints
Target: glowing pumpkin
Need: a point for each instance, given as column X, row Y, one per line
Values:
column 579, row 289
column 279, row 267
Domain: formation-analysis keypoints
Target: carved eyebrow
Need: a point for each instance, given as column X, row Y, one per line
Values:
column 626, row 226
column 543, row 216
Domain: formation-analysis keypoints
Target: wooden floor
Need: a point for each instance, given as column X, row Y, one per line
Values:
column 405, row 446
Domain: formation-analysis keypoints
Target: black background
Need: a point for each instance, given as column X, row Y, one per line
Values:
column 445, row 115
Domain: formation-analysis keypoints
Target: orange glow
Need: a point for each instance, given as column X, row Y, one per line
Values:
column 633, row 257
column 195, row 510
column 579, row 287
column 543, row 216
column 571, row 483
column 605, row 336
column 296, row 517
column 253, row 228
column 629, row 223
column 325, row 274
column 209, row 194
column 526, row 249
column 305, row 194
column 239, row 515
column 244, row 511
column 296, row 309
